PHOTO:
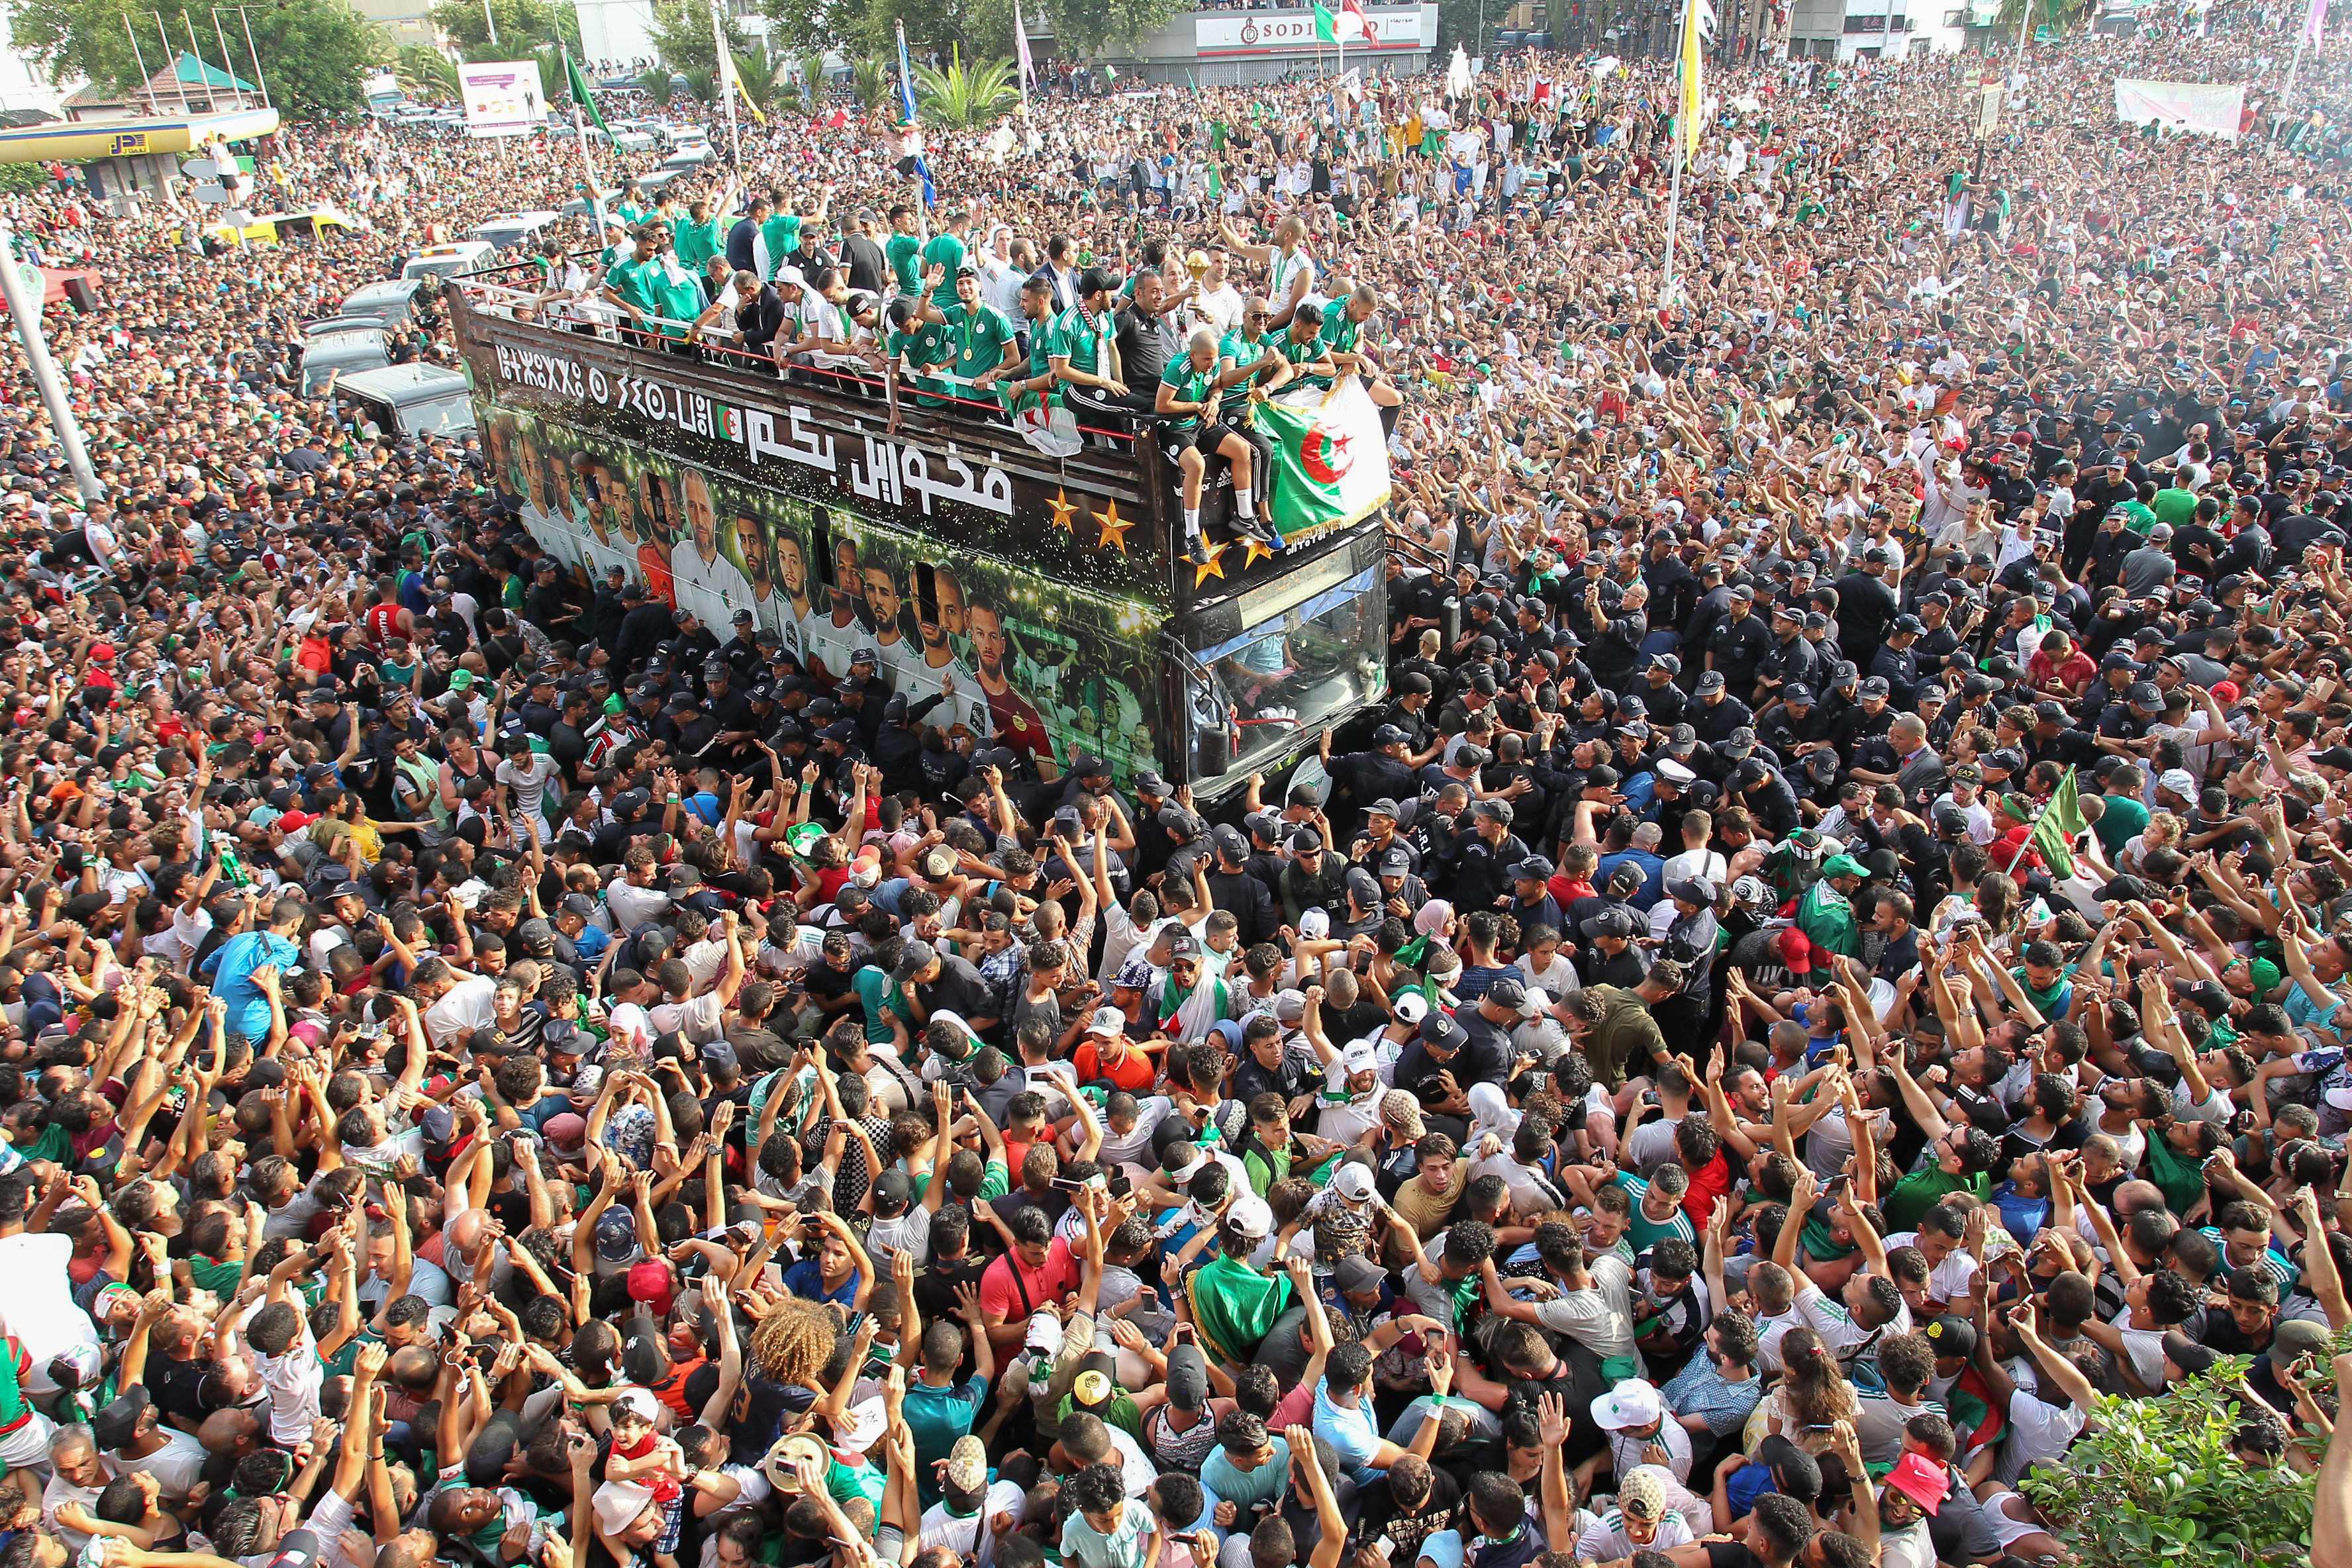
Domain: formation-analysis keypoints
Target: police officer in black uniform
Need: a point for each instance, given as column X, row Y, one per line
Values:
column 1384, row 771
column 1737, row 647
column 1714, row 712
column 1483, row 873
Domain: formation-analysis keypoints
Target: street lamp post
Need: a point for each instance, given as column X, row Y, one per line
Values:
column 24, row 304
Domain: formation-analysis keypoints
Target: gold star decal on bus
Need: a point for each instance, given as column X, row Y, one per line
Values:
column 1114, row 529
column 1211, row 565
column 1254, row 549
column 1063, row 511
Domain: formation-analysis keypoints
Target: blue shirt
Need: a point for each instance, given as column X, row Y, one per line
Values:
column 234, row 964
column 938, row 1417
column 807, row 1280
column 1350, row 1432
column 1653, row 875
column 2020, row 1215
column 1225, row 1483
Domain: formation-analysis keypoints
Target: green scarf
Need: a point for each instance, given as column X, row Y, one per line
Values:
column 2181, row 1181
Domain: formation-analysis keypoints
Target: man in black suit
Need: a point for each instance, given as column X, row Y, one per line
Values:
column 868, row 268
column 742, row 254
column 760, row 318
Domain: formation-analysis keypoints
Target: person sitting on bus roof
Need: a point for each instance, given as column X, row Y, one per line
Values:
column 1023, row 392
column 921, row 345
column 835, row 328
column 1190, row 398
column 1301, row 347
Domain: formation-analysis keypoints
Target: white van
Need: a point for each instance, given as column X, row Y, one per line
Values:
column 458, row 258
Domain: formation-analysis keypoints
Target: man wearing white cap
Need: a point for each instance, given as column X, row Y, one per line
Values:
column 1633, row 1414
column 626, row 1518
column 2176, row 790
column 1352, row 1086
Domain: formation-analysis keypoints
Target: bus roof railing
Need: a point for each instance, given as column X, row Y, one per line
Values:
column 628, row 331
column 1090, row 513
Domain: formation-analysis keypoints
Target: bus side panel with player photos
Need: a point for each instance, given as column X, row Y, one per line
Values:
column 1014, row 660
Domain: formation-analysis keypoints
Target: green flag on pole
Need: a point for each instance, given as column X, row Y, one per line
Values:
column 1327, row 29
column 2054, row 826
column 586, row 99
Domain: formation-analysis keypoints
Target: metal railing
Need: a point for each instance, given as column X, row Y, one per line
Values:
column 612, row 324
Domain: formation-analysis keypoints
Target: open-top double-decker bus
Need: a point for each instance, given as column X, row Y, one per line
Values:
column 1049, row 599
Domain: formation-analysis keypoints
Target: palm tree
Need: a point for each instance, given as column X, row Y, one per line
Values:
column 870, row 77
column 425, row 73
column 755, row 78
column 701, row 85
column 658, row 85
column 811, row 69
column 964, row 97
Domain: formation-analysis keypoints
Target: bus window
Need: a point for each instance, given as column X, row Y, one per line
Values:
column 927, row 593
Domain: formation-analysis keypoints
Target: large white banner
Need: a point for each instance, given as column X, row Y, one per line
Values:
column 1293, row 32
column 503, row 98
column 2205, row 107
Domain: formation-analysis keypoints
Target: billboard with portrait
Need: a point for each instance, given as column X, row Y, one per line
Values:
column 977, row 647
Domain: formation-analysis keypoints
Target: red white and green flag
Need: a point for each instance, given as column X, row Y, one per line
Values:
column 1330, row 459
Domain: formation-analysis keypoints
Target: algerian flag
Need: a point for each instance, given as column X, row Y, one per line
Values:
column 1330, row 459
column 1327, row 29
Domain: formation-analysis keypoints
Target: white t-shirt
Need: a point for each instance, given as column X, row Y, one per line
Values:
column 2037, row 1431
column 177, row 1466
column 969, row 1537
column 470, row 1003
column 530, row 782
column 293, row 1381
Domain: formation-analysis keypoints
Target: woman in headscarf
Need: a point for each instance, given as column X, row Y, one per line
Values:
column 1490, row 1112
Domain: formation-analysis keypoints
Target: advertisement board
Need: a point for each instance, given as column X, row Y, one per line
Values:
column 1293, row 32
column 2211, row 109
column 503, row 98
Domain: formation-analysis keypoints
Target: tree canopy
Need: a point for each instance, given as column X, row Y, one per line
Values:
column 980, row 28
column 523, row 27
column 319, row 50
column 681, row 34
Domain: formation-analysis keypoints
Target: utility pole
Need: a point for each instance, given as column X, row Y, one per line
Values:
column 26, row 306
column 260, row 79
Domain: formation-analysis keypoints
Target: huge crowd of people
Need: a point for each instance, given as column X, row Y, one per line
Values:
column 1831, row 962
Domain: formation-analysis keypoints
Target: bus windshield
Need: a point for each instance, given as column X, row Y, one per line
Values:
column 1322, row 655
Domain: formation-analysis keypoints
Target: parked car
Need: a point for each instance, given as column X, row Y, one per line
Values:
column 412, row 400
column 338, row 350
column 506, row 232
column 458, row 258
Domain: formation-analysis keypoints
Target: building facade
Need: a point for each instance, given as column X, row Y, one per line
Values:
column 1225, row 46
